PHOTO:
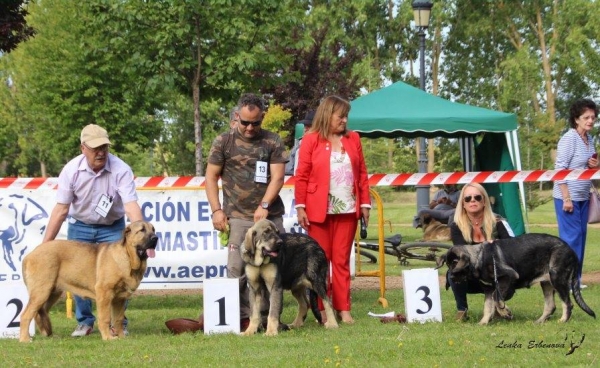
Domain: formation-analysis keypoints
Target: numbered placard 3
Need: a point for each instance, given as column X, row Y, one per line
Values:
column 221, row 306
column 422, row 295
column 13, row 299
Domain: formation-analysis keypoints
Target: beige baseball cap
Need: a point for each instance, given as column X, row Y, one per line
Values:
column 94, row 136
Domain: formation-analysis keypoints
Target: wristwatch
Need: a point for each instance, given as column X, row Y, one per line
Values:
column 264, row 205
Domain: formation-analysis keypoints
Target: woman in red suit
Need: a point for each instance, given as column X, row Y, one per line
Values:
column 332, row 193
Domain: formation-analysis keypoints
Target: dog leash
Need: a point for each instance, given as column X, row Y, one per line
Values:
column 499, row 299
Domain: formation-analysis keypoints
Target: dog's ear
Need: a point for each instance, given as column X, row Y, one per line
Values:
column 441, row 260
column 249, row 245
column 134, row 260
column 126, row 232
column 502, row 269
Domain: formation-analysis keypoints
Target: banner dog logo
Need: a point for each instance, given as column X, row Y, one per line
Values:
column 275, row 262
column 19, row 214
column 514, row 263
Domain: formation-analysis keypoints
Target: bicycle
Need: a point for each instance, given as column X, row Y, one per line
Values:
column 425, row 251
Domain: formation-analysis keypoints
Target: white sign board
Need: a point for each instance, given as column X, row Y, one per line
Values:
column 13, row 299
column 221, row 308
column 422, row 295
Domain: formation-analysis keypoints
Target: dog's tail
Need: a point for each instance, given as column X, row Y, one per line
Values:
column 314, row 305
column 579, row 299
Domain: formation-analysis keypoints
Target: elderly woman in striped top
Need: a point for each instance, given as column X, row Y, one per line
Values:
column 575, row 150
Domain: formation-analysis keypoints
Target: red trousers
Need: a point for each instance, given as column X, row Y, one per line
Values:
column 336, row 236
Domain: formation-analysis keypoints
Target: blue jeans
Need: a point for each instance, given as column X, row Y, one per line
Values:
column 80, row 231
column 572, row 227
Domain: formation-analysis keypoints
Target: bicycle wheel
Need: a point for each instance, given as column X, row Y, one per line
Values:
column 425, row 251
column 367, row 257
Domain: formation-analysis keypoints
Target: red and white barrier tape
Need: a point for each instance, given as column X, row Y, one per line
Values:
column 376, row 180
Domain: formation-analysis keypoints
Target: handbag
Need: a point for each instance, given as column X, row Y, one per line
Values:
column 594, row 210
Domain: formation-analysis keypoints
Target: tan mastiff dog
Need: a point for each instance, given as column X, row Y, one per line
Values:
column 106, row 272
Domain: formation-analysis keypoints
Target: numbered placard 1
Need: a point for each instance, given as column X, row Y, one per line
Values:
column 221, row 306
column 422, row 295
column 13, row 299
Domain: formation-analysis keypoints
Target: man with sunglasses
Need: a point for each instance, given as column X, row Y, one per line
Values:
column 250, row 162
column 95, row 191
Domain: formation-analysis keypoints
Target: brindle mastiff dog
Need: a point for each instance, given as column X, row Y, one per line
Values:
column 107, row 272
column 514, row 263
column 283, row 261
column 433, row 230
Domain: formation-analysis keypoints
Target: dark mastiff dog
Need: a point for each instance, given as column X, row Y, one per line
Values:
column 509, row 264
column 278, row 262
column 107, row 272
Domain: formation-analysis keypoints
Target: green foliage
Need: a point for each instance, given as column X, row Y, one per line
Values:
column 175, row 149
column 125, row 64
column 63, row 80
column 536, row 198
column 275, row 118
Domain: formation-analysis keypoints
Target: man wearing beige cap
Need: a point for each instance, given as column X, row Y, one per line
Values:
column 95, row 191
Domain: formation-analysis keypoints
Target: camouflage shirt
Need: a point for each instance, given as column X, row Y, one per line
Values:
column 237, row 156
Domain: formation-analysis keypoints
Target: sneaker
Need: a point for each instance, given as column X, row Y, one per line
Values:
column 82, row 330
column 582, row 286
column 461, row 316
column 114, row 333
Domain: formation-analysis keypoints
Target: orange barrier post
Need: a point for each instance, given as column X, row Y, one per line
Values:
column 69, row 303
column 381, row 271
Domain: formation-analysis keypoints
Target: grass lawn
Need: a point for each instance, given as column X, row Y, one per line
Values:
column 366, row 343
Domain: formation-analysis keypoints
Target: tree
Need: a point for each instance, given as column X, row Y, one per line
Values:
column 13, row 25
column 531, row 57
column 354, row 45
column 62, row 80
column 208, row 50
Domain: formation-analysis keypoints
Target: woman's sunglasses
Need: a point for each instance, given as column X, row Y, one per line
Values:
column 253, row 123
column 477, row 197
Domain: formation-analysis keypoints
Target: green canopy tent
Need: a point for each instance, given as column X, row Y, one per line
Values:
column 489, row 137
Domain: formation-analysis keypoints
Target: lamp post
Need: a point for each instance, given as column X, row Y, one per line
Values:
column 422, row 11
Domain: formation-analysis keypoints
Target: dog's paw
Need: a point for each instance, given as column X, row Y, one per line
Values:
column 271, row 332
column 331, row 324
column 484, row 322
column 295, row 324
column 251, row 330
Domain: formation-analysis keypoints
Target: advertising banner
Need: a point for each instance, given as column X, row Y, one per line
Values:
column 188, row 250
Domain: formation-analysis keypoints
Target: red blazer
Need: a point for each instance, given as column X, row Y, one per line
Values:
column 311, row 186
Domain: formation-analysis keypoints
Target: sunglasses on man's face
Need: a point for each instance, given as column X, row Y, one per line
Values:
column 253, row 123
column 477, row 197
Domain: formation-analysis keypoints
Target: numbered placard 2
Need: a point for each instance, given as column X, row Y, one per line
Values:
column 422, row 295
column 221, row 306
column 13, row 299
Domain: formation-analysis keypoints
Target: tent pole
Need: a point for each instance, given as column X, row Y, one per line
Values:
column 422, row 190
